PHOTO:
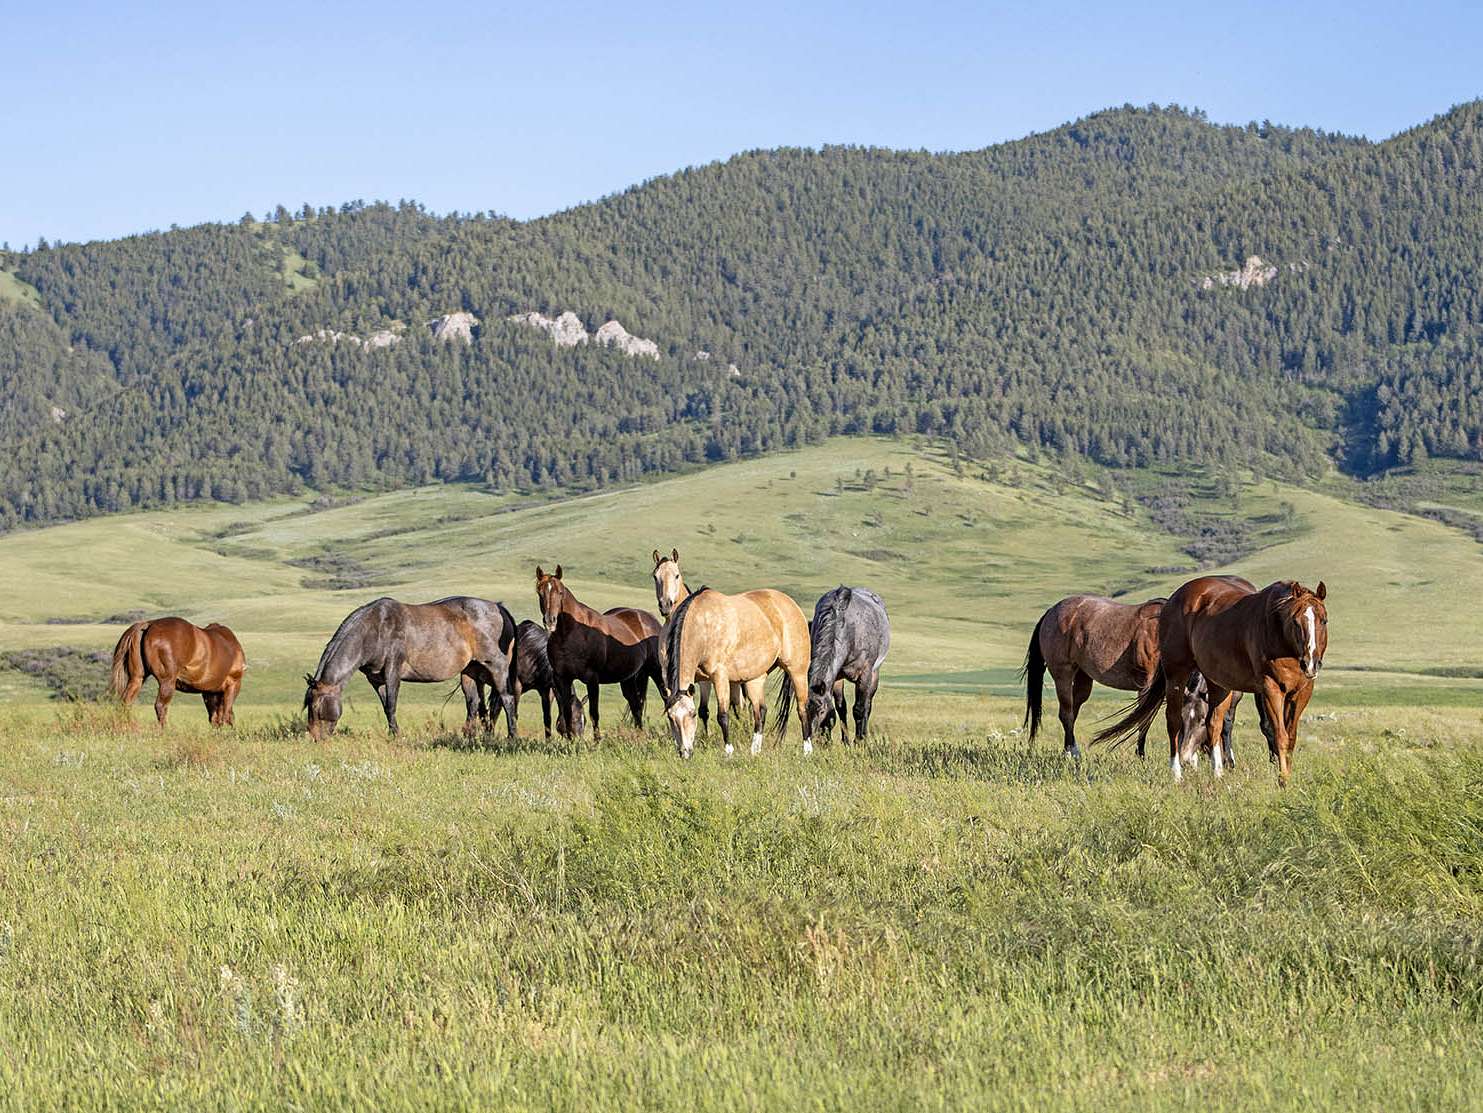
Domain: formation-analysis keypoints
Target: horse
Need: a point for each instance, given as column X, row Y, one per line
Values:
column 533, row 674
column 182, row 657
column 420, row 643
column 619, row 646
column 850, row 634
column 669, row 591
column 1270, row 642
column 1086, row 639
column 735, row 639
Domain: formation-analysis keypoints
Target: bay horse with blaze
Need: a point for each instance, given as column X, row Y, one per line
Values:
column 1270, row 642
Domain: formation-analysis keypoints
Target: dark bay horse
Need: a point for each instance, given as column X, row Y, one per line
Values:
column 533, row 674
column 851, row 635
column 1270, row 642
column 1086, row 639
column 420, row 643
column 735, row 639
column 619, row 646
column 182, row 657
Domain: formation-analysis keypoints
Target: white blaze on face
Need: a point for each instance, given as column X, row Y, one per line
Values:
column 681, row 715
column 1310, row 628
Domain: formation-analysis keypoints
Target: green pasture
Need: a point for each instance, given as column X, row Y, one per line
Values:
column 943, row 917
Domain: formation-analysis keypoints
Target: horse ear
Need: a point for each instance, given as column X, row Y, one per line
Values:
column 540, row 575
column 657, row 558
column 1321, row 591
column 674, row 555
column 558, row 572
column 309, row 680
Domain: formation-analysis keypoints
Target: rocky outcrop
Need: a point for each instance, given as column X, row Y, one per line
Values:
column 615, row 335
column 1254, row 273
column 454, row 326
column 566, row 331
column 381, row 338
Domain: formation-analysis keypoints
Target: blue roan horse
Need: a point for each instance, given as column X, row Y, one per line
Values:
column 850, row 634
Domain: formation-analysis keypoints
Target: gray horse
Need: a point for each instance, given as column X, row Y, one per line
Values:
column 421, row 643
column 850, row 634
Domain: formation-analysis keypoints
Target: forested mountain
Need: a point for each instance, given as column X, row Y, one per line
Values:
column 1093, row 290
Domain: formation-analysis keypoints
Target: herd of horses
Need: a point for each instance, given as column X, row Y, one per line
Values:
column 1194, row 654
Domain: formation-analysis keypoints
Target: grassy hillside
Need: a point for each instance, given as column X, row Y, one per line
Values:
column 965, row 562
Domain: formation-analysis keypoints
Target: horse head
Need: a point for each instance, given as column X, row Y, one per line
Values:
column 819, row 712
column 1304, row 624
column 680, row 711
column 668, row 582
column 322, row 706
column 551, row 593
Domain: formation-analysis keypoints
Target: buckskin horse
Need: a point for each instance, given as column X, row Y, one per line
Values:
column 670, row 591
column 851, row 635
column 182, row 657
column 619, row 646
column 1270, row 642
column 390, row 642
column 736, row 639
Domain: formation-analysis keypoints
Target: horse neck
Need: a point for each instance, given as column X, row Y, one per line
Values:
column 342, row 656
column 577, row 610
column 827, row 649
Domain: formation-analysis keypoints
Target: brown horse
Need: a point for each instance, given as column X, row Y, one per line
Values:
column 1086, row 639
column 183, row 657
column 736, row 639
column 1270, row 642
column 620, row 646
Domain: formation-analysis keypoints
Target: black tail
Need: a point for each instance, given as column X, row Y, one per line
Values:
column 1138, row 715
column 784, row 706
column 1033, row 673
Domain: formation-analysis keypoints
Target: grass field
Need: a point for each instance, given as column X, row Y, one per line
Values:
column 942, row 917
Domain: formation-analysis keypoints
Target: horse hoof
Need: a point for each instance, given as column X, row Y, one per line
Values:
column 730, row 749
column 808, row 747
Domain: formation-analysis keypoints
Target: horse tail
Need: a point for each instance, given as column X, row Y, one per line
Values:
column 1033, row 672
column 509, row 645
column 128, row 659
column 784, row 707
column 1139, row 714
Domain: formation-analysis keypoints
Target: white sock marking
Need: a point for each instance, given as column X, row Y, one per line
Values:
column 729, row 749
column 756, row 744
column 808, row 747
column 1216, row 760
column 1176, row 768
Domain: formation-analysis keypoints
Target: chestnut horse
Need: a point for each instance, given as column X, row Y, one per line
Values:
column 1269, row 641
column 1086, row 639
column 620, row 646
column 421, row 643
column 183, row 657
column 736, row 639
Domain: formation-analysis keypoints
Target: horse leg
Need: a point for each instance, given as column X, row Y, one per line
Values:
column 635, row 688
column 864, row 698
column 565, row 696
column 754, row 691
column 592, row 690
column 703, row 690
column 1174, row 719
column 229, row 701
column 470, row 688
column 798, row 677
column 506, row 695
column 1066, row 678
column 387, row 690
column 545, row 710
column 1081, row 691
column 1228, row 732
column 1276, row 701
column 722, row 688
column 162, row 699
column 213, row 707
column 1220, row 705
column 837, row 691
column 1296, row 704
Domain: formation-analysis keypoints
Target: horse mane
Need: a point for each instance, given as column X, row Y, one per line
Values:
column 341, row 635
column 823, row 631
column 672, row 643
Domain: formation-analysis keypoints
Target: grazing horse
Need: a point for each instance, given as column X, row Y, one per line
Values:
column 1089, row 638
column 735, row 639
column 420, row 643
column 533, row 674
column 670, row 591
column 182, row 657
column 1270, row 642
column 850, row 635
column 620, row 646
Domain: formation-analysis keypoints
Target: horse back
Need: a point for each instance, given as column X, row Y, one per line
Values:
column 1116, row 644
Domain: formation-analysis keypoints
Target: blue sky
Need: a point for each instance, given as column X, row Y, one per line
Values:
column 120, row 118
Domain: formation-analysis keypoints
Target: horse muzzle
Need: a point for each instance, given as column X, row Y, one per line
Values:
column 1311, row 669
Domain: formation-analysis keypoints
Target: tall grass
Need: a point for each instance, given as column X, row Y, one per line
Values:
column 935, row 918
